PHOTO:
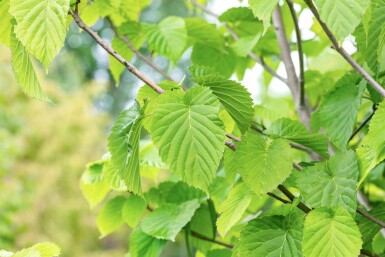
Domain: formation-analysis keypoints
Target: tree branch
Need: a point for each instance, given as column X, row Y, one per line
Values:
column 131, row 68
column 208, row 239
column 293, row 82
column 236, row 38
column 342, row 51
column 300, row 53
column 129, row 44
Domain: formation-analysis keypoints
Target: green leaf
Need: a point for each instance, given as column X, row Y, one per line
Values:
column 374, row 35
column 237, row 14
column 332, row 183
column 41, row 26
column 372, row 151
column 131, row 30
column 188, row 133
column 47, row 249
column 295, row 131
column 233, row 96
column 168, row 38
column 219, row 253
column 367, row 227
column 129, row 9
column 110, row 218
column 199, row 30
column 233, row 208
column 221, row 60
column 331, row 232
column 342, row 16
column 264, row 163
column 123, row 144
column 93, row 184
column 230, row 166
column 133, row 210
column 168, row 220
column 29, row 252
column 203, row 223
column 6, row 25
column 263, row 10
column 143, row 245
column 338, row 110
column 273, row 236
column 245, row 45
column 24, row 69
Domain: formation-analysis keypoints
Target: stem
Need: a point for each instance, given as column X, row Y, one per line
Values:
column 371, row 218
column 278, row 198
column 187, row 241
column 205, row 238
column 236, row 139
column 131, row 68
column 300, row 53
column 363, row 124
column 236, row 38
column 289, row 195
column 292, row 79
column 342, row 51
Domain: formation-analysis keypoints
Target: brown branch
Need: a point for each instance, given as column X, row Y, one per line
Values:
column 300, row 53
column 231, row 145
column 371, row 217
column 131, row 68
column 236, row 38
column 342, row 51
column 129, row 44
column 236, row 139
column 293, row 82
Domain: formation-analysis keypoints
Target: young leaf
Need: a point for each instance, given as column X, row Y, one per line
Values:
column 273, row 236
column 110, row 218
column 338, row 110
column 222, row 60
column 41, row 26
column 129, row 9
column 331, row 232
column 372, row 151
column 189, row 135
column 6, row 25
column 367, row 227
column 203, row 223
column 233, row 96
column 93, row 184
column 167, row 221
column 199, row 30
column 123, row 144
column 133, row 210
column 342, row 16
column 332, row 183
column 24, row 69
column 143, row 245
column 168, row 38
column 29, row 252
column 297, row 132
column 232, row 209
column 47, row 249
column 263, row 10
column 263, row 163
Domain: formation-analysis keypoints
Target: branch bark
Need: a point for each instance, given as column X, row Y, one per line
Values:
column 292, row 79
column 342, row 51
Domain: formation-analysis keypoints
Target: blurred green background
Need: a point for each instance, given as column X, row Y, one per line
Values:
column 45, row 147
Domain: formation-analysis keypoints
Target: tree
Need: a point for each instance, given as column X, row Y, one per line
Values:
column 307, row 182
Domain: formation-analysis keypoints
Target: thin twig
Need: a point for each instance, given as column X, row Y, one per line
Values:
column 129, row 44
column 363, row 124
column 236, row 139
column 231, row 145
column 131, row 68
column 205, row 238
column 236, row 38
column 292, row 78
column 278, row 198
column 342, row 51
column 289, row 195
column 371, row 217
column 300, row 53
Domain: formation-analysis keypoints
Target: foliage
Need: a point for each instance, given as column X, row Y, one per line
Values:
column 175, row 177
